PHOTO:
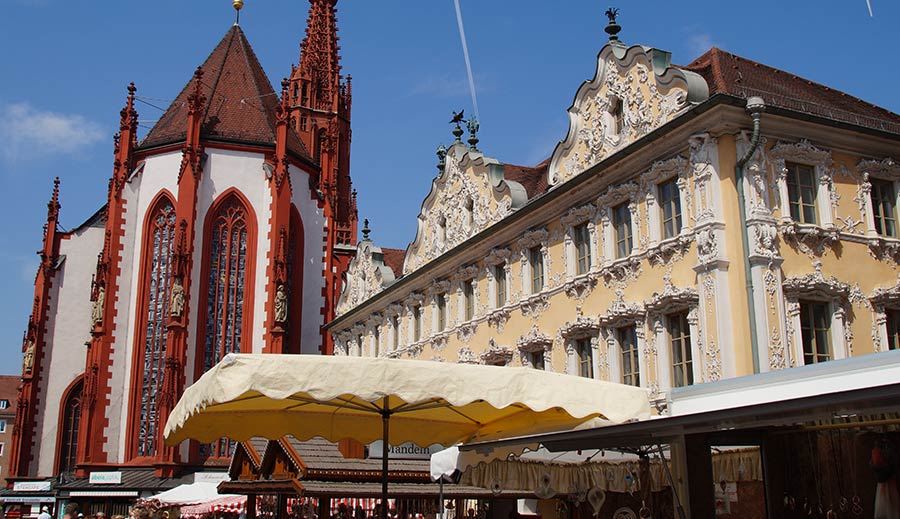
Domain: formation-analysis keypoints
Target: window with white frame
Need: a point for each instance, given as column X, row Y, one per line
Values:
column 536, row 360
column 4, row 404
column 883, row 197
column 500, row 285
column 893, row 329
column 1, row 449
column 679, row 336
column 802, row 192
column 670, row 208
column 815, row 331
column 468, row 290
column 626, row 338
column 584, row 356
column 395, row 332
column 536, row 268
column 440, row 301
column 817, row 317
column 621, row 216
column 617, row 111
column 2, row 426
column 581, row 239
column 534, row 349
column 417, row 323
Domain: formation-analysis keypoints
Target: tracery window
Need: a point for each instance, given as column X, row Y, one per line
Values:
column 227, row 291
column 225, row 283
column 157, row 270
column 68, row 445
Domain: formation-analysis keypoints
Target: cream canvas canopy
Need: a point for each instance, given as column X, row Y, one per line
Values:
column 367, row 399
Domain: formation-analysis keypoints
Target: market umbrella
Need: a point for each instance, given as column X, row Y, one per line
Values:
column 367, row 399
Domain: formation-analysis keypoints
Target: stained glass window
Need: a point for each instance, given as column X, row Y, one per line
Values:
column 161, row 238
column 69, row 438
column 225, row 290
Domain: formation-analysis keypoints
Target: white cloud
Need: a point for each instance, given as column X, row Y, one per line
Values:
column 699, row 42
column 27, row 131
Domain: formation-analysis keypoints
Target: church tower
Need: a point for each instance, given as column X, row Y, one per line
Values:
column 320, row 102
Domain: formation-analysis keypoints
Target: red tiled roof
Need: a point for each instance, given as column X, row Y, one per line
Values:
column 393, row 258
column 727, row 73
column 532, row 178
column 240, row 101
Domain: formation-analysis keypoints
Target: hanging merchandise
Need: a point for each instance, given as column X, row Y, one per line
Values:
column 884, row 464
column 624, row 513
column 545, row 488
column 496, row 487
column 596, row 497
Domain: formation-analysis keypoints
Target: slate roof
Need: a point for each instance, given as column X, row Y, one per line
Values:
column 240, row 101
column 731, row 74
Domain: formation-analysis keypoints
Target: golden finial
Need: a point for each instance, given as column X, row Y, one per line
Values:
column 238, row 5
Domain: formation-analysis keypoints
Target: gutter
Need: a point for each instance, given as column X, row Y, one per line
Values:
column 755, row 108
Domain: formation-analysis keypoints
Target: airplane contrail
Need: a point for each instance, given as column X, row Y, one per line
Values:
column 869, row 3
column 462, row 38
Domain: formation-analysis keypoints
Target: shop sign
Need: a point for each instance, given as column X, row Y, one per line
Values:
column 210, row 477
column 28, row 500
column 406, row 451
column 105, row 478
column 31, row 486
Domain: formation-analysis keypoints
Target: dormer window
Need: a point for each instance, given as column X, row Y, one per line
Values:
column 442, row 229
column 470, row 213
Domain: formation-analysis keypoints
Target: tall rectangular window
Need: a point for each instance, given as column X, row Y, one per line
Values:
column 376, row 333
column 627, row 338
column 441, row 312
column 670, row 206
column 893, row 329
column 585, row 357
column 815, row 329
column 537, row 359
column 622, row 228
column 2, row 426
column 536, row 263
column 680, row 342
column 4, row 404
column 802, row 190
column 469, row 297
column 582, row 238
column 395, row 331
column 884, row 207
column 500, row 280
column 417, row 323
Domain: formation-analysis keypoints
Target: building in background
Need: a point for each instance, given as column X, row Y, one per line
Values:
column 226, row 229
column 665, row 242
column 9, row 388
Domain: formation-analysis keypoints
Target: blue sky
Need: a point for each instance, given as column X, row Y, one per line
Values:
column 66, row 64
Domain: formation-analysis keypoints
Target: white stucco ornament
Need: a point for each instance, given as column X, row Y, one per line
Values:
column 367, row 275
column 469, row 195
column 633, row 92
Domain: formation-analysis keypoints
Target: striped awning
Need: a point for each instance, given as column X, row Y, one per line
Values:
column 235, row 504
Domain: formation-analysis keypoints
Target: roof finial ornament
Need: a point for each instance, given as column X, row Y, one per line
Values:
column 458, row 118
column 442, row 157
column 365, row 229
column 613, row 28
column 238, row 5
column 473, row 126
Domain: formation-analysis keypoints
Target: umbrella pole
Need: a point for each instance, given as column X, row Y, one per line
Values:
column 385, row 450
column 441, row 496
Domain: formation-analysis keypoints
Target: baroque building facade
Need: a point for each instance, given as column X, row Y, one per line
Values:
column 226, row 229
column 696, row 223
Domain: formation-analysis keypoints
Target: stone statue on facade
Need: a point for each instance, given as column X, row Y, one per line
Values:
column 28, row 358
column 97, row 308
column 281, row 305
column 176, row 304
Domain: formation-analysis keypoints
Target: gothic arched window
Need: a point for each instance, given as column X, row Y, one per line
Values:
column 295, row 281
column 68, row 437
column 227, row 288
column 156, row 271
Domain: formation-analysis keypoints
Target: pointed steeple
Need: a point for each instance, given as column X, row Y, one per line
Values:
column 240, row 101
column 53, row 205
column 320, row 57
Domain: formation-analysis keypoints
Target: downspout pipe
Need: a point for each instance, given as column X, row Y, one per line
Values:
column 755, row 108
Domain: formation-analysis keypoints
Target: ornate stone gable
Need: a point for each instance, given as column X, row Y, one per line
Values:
column 633, row 92
column 468, row 196
column 367, row 275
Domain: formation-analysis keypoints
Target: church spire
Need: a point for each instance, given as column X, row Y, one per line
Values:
column 320, row 57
